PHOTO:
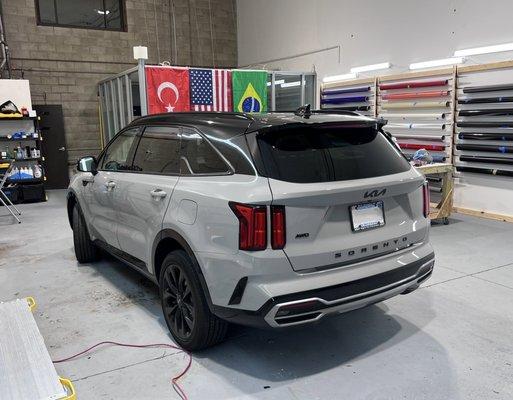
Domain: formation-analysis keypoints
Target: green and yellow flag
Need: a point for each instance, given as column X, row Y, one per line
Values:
column 249, row 91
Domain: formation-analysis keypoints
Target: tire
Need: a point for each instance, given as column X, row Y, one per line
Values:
column 85, row 250
column 185, row 307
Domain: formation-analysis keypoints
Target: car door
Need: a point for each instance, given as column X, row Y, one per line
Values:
column 142, row 197
column 115, row 162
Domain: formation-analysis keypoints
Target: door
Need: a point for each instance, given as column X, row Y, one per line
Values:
column 113, row 167
column 348, row 194
column 143, row 196
column 53, row 146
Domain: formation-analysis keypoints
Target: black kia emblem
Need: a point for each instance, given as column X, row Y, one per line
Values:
column 374, row 193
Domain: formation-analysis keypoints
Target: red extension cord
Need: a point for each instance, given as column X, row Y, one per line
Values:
column 174, row 380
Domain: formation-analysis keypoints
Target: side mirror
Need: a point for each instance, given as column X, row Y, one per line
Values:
column 87, row 164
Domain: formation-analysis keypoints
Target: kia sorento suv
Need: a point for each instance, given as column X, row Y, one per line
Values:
column 268, row 220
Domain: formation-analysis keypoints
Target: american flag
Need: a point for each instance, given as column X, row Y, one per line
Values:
column 211, row 89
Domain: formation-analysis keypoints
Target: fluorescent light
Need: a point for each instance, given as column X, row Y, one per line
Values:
column 371, row 67
column 101, row 12
column 342, row 77
column 291, row 84
column 484, row 50
column 437, row 63
column 278, row 82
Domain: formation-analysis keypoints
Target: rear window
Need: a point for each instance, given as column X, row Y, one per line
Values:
column 325, row 154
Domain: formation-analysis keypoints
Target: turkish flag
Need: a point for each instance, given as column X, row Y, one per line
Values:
column 167, row 89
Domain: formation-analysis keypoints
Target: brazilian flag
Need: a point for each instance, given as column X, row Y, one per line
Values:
column 249, row 91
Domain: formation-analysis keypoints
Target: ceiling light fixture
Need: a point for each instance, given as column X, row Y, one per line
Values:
column 291, row 84
column 484, row 50
column 342, row 77
column 437, row 63
column 371, row 67
column 277, row 82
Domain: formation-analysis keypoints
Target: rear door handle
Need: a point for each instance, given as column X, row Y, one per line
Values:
column 110, row 185
column 158, row 194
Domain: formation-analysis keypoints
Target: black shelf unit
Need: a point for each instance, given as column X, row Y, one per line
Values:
column 5, row 139
column 31, row 189
column 31, row 180
column 18, row 118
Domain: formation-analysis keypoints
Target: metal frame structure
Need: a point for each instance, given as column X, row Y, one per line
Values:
column 303, row 86
column 117, row 97
column 116, row 101
column 9, row 205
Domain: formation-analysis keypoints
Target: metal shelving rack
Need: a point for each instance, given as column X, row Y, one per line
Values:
column 353, row 95
column 419, row 107
column 484, row 124
column 9, row 144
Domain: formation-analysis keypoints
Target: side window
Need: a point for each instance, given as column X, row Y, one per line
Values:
column 198, row 156
column 158, row 151
column 119, row 154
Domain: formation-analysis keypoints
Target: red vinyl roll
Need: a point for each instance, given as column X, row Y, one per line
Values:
column 418, row 95
column 407, row 85
column 413, row 146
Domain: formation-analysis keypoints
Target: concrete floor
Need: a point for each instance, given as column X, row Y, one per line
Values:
column 452, row 339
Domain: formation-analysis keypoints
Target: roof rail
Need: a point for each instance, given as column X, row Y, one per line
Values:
column 186, row 113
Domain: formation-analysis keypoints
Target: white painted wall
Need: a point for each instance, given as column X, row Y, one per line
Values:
column 368, row 31
column 373, row 31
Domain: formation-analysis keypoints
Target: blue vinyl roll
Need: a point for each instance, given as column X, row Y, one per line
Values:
column 338, row 96
column 343, row 91
column 345, row 99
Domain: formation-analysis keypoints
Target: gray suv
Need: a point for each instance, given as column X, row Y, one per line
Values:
column 269, row 220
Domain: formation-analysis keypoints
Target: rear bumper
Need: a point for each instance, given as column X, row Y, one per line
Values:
column 312, row 305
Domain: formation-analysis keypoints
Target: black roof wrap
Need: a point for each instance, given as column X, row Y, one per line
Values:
column 225, row 125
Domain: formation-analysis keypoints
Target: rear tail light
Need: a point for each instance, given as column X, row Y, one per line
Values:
column 252, row 226
column 425, row 195
column 278, row 238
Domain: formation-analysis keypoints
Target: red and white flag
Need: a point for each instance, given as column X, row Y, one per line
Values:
column 211, row 89
column 167, row 89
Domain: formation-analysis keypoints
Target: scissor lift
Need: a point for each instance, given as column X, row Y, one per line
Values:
column 26, row 369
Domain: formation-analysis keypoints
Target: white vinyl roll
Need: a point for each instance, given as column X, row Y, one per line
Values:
column 406, row 117
column 386, row 105
column 420, row 137
column 418, row 126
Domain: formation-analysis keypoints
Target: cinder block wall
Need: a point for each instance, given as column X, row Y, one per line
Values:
column 65, row 64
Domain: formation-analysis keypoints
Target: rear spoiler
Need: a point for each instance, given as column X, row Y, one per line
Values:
column 305, row 112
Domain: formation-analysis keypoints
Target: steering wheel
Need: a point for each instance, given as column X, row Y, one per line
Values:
column 112, row 165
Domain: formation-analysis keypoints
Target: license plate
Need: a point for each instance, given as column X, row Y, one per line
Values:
column 367, row 216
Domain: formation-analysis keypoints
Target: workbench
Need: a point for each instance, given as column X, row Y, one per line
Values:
column 443, row 209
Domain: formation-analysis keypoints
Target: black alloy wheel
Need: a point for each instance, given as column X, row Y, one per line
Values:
column 178, row 302
column 185, row 305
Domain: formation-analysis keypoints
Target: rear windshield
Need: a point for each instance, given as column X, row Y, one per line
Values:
column 325, row 154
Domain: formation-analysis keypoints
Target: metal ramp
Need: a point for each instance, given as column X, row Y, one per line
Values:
column 26, row 369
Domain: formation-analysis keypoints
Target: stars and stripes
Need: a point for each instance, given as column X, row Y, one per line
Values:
column 211, row 89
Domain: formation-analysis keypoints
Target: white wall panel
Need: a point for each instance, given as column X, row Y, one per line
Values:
column 399, row 31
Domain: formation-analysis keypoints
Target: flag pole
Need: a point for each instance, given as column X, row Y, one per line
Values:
column 141, row 54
